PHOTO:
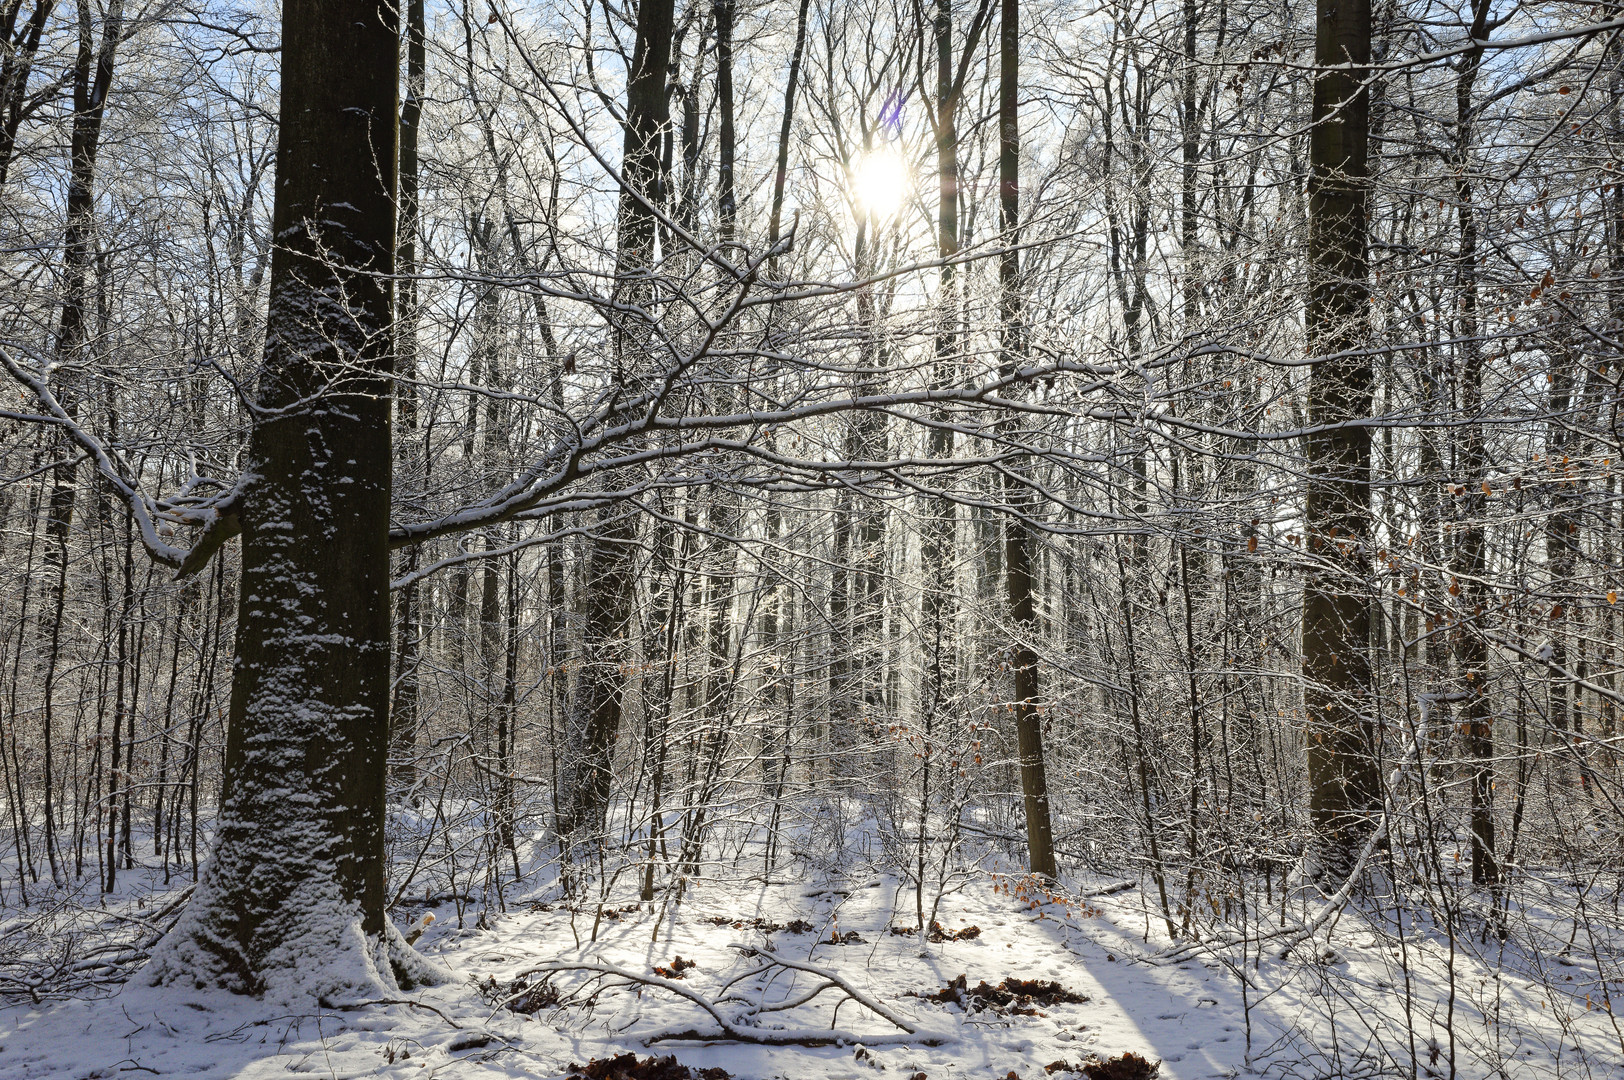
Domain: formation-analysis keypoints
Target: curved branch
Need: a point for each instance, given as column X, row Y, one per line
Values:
column 732, row 1029
column 115, row 471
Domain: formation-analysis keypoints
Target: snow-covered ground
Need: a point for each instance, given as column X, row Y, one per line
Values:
column 1338, row 1005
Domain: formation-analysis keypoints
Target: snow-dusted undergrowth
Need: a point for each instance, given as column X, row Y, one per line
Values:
column 1360, row 998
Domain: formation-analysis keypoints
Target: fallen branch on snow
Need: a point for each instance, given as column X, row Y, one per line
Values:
column 741, row 1024
column 52, row 958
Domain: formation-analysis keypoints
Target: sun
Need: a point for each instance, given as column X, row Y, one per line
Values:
column 880, row 181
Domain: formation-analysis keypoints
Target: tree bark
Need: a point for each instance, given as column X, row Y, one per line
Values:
column 937, row 550
column 292, row 902
column 727, row 206
column 1342, row 773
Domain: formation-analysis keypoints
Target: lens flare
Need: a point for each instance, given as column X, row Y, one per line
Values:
column 880, row 182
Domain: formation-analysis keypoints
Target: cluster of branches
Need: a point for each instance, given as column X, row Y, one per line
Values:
column 1211, row 429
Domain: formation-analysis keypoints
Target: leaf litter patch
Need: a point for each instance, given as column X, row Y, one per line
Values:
column 677, row 969
column 766, row 926
column 740, row 923
column 1014, row 997
column 521, row 995
column 1128, row 1066
column 938, row 933
column 631, row 1067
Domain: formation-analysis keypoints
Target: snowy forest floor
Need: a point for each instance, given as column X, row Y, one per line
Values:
column 1356, row 1000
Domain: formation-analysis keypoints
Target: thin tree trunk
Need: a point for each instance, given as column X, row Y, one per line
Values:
column 92, row 76
column 507, row 720
column 16, row 789
column 1470, row 553
column 594, row 721
column 15, row 66
column 937, row 554
column 781, row 171
column 1020, row 584
column 403, row 716
column 161, row 788
column 121, row 705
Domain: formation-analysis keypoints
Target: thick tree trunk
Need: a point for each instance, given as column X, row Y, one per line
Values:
column 1342, row 772
column 593, row 725
column 647, row 118
column 292, row 901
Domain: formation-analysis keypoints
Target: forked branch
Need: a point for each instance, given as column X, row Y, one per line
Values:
column 737, row 1015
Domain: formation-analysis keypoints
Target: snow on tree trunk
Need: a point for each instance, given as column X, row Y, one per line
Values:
column 292, row 903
